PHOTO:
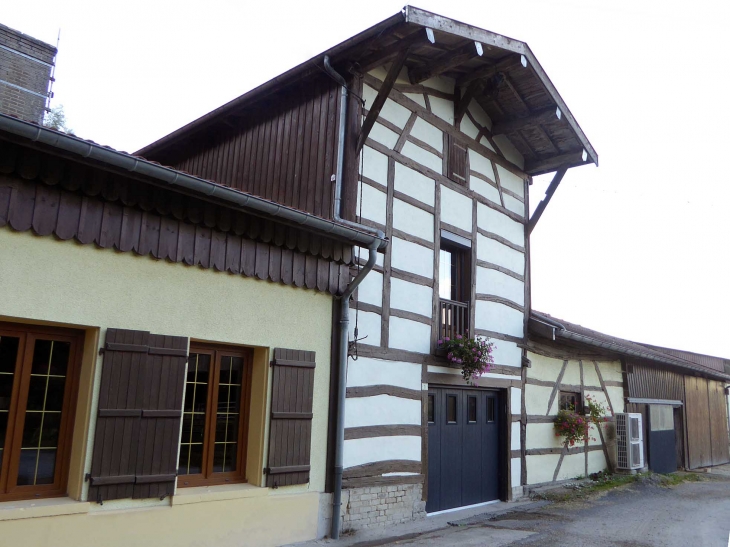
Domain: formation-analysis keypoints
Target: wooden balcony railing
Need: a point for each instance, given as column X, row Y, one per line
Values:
column 454, row 318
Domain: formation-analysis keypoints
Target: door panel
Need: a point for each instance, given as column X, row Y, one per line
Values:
column 662, row 442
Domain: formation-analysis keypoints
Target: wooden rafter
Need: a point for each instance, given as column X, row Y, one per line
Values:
column 509, row 126
column 503, row 65
column 379, row 101
column 383, row 55
column 446, row 61
column 570, row 159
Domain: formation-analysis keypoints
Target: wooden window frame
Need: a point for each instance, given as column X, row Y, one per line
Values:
column 578, row 397
column 461, row 282
column 9, row 489
column 208, row 477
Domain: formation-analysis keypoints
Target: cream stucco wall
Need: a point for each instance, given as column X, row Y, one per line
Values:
column 46, row 280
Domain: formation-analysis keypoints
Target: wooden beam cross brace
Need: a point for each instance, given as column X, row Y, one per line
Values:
column 382, row 55
column 446, row 61
column 379, row 101
column 548, row 196
column 462, row 102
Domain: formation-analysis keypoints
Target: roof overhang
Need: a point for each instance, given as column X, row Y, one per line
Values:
column 500, row 73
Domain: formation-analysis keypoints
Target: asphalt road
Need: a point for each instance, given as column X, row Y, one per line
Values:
column 695, row 514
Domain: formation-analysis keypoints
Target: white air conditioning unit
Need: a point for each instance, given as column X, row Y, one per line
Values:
column 629, row 441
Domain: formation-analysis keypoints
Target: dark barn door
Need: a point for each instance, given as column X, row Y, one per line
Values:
column 464, row 441
column 662, row 442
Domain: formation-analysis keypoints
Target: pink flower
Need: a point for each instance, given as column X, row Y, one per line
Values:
column 440, row 342
column 446, row 338
column 458, row 336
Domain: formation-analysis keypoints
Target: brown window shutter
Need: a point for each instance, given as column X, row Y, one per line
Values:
column 138, row 423
column 290, row 434
column 457, row 161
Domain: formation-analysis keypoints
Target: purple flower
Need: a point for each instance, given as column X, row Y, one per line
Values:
column 446, row 338
column 479, row 353
column 450, row 355
column 441, row 342
column 458, row 336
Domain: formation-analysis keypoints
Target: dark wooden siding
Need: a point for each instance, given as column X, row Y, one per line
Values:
column 718, row 422
column 654, row 383
column 698, row 422
column 283, row 148
column 50, row 197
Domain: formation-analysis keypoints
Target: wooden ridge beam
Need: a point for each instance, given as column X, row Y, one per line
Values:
column 446, row 61
column 382, row 96
column 544, row 203
column 541, row 116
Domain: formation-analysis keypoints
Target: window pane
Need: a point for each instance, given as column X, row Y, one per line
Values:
column 491, row 403
column 430, row 409
column 472, row 409
column 194, row 415
column 445, row 275
column 43, row 412
column 228, row 412
column 451, row 409
column 8, row 357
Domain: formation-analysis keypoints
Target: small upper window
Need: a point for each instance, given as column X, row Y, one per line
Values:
column 456, row 161
column 454, row 269
column 571, row 401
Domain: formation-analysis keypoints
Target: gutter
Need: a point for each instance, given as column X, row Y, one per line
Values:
column 344, row 321
column 350, row 232
column 560, row 331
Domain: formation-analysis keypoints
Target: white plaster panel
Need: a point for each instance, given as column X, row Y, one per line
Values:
column 509, row 151
column 596, row 461
column 541, row 468
column 468, row 128
column 542, row 436
column 411, row 257
column 611, row 372
column 372, row 372
column 411, row 297
column 506, row 353
column 544, row 368
column 497, row 283
column 511, row 181
column 590, row 378
column 515, row 444
column 373, row 203
column 429, row 134
column 480, row 115
column 395, row 113
column 383, row 135
column 440, row 83
column 515, row 401
column 488, row 144
column 365, row 254
column 369, row 94
column 499, row 318
column 572, row 373
column 412, row 220
column 375, row 165
column 456, row 209
column 498, row 223
column 381, row 410
column 378, row 449
column 368, row 325
column 516, row 466
column 409, row 335
column 536, row 399
column 573, row 466
column 499, row 254
column 443, row 108
column 514, row 205
column 617, row 397
column 417, row 97
column 485, row 189
column 480, row 164
column 424, row 157
column 593, row 434
column 414, row 184
column 370, row 290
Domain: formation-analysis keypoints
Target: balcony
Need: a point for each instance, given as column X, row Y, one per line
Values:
column 454, row 318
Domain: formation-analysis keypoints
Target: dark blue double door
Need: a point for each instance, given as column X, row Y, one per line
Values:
column 465, row 451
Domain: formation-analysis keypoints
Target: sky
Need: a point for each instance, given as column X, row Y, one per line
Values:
column 637, row 247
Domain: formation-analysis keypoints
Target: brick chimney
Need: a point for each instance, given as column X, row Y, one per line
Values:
column 26, row 66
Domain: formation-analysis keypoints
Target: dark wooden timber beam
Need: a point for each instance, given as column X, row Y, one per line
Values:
column 462, row 102
column 379, row 101
column 548, row 165
column 548, row 196
column 503, row 65
column 510, row 126
column 446, row 61
column 381, row 56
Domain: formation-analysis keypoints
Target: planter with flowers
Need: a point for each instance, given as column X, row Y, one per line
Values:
column 576, row 428
column 472, row 355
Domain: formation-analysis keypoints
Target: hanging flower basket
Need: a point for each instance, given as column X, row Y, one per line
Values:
column 472, row 355
column 576, row 428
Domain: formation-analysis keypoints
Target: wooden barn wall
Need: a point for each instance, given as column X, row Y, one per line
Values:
column 196, row 234
column 706, row 412
column 654, row 383
column 283, row 149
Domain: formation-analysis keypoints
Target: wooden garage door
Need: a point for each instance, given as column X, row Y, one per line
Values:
column 718, row 422
column 707, row 433
column 464, row 447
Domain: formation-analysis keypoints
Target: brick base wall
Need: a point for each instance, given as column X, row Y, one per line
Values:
column 373, row 506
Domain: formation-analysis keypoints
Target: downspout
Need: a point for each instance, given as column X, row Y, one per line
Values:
column 344, row 321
